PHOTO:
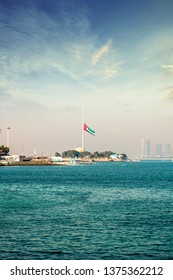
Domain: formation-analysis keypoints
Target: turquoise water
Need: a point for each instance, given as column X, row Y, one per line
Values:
column 100, row 211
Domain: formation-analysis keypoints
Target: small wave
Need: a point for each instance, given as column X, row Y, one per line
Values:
column 52, row 252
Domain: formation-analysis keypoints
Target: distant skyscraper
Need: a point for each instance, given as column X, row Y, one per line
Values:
column 168, row 150
column 158, row 150
column 145, row 148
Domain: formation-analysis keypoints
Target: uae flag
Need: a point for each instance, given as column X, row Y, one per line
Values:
column 86, row 128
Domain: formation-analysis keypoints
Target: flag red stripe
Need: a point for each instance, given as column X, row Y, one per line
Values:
column 85, row 127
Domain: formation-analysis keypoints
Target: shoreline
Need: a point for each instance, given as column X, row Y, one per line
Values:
column 69, row 162
column 46, row 162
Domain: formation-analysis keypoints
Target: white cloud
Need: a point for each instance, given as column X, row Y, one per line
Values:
column 100, row 53
column 169, row 68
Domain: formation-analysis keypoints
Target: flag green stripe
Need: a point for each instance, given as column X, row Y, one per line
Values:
column 90, row 130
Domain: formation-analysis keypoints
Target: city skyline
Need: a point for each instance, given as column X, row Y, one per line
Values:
column 157, row 150
column 114, row 57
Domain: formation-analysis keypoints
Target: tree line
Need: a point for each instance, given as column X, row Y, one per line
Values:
column 73, row 153
column 96, row 154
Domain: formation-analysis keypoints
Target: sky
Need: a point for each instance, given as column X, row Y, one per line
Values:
column 114, row 58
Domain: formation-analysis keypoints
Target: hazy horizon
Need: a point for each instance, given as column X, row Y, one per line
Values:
column 114, row 57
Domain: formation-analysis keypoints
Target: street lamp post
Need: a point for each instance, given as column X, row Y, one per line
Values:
column 8, row 136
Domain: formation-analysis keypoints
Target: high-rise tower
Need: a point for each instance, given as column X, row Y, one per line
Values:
column 158, row 150
column 145, row 148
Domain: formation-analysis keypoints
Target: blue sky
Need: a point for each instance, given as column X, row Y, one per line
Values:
column 116, row 57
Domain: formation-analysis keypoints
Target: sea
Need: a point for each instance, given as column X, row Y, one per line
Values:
column 101, row 211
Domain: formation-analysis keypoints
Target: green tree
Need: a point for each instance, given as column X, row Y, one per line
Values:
column 57, row 154
column 4, row 150
column 96, row 154
column 124, row 156
column 106, row 154
column 70, row 154
column 85, row 154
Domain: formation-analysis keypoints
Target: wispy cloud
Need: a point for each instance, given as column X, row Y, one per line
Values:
column 156, row 50
column 101, row 52
column 105, row 62
column 169, row 68
column 169, row 93
column 7, row 94
column 63, row 47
